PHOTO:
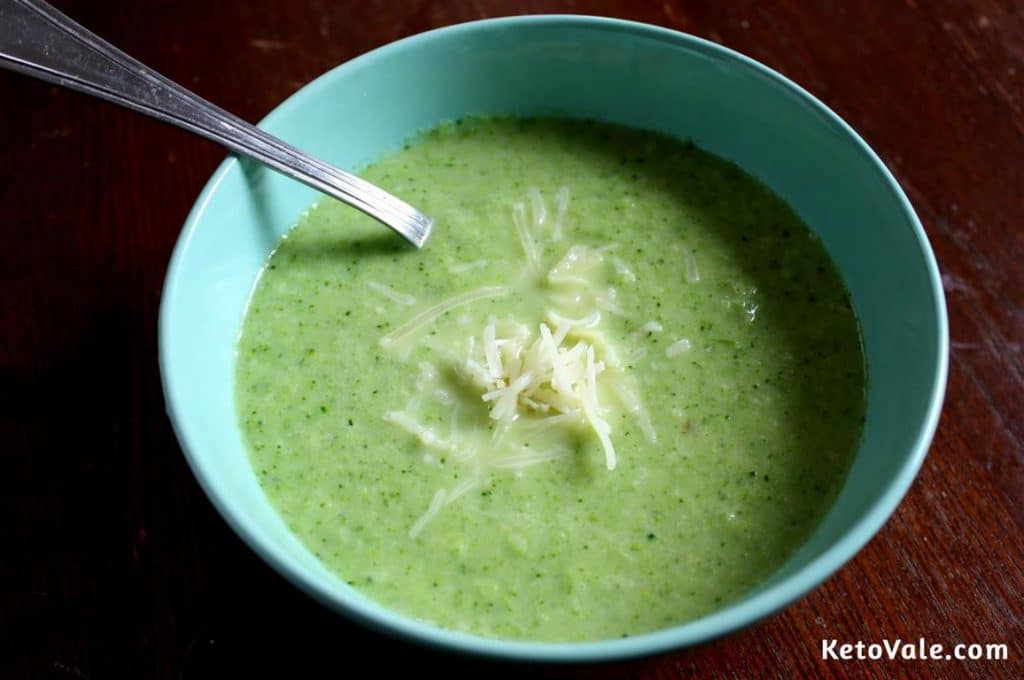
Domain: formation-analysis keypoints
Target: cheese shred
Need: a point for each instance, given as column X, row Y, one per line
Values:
column 677, row 348
column 543, row 374
column 540, row 211
column 461, row 267
column 426, row 316
column 562, row 207
column 435, row 507
column 391, row 293
column 530, row 379
column 529, row 248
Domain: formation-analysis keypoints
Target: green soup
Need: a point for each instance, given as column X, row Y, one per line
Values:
column 617, row 389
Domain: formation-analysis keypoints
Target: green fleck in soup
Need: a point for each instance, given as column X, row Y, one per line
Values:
column 619, row 387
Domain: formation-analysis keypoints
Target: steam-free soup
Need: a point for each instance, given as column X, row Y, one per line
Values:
column 617, row 389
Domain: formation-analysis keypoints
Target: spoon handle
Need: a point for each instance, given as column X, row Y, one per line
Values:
column 37, row 40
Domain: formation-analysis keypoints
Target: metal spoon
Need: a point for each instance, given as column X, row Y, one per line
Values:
column 37, row 40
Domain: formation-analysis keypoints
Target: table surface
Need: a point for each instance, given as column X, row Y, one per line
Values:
column 114, row 561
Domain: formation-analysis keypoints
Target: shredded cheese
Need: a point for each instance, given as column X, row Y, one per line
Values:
column 608, row 301
column 543, row 374
column 574, row 266
column 530, row 379
column 623, row 270
column 426, row 316
column 525, row 240
column 677, row 348
column 648, row 328
column 540, row 211
column 462, row 488
column 460, row 267
column 391, row 293
column 435, row 506
column 562, row 207
column 425, row 435
column 692, row 275
column 527, row 458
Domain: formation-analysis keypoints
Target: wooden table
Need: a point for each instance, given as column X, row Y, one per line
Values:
column 115, row 563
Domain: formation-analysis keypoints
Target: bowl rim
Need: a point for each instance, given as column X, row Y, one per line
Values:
column 736, row 616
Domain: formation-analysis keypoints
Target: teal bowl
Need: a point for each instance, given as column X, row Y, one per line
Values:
column 615, row 71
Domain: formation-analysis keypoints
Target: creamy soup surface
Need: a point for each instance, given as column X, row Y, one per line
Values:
column 618, row 388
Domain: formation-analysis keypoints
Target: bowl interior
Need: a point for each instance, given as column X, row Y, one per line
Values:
column 612, row 71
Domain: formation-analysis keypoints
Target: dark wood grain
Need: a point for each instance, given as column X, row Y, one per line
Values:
column 113, row 562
